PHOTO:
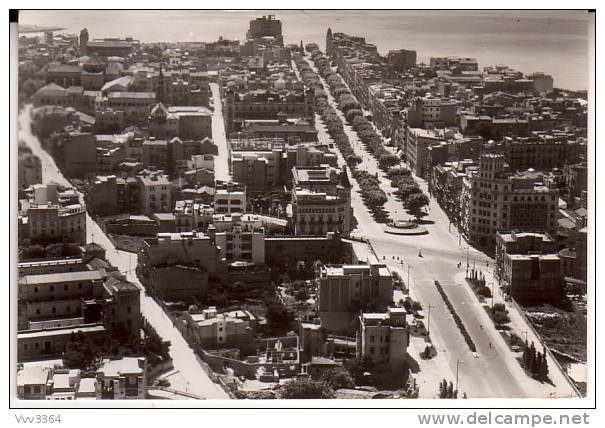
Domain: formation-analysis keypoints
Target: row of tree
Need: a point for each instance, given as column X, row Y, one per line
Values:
column 535, row 362
column 412, row 197
column 351, row 108
column 57, row 249
column 499, row 314
column 372, row 195
column 446, row 390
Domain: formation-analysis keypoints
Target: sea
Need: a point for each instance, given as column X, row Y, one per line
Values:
column 553, row 42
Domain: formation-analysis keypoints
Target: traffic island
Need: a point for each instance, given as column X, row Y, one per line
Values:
column 405, row 228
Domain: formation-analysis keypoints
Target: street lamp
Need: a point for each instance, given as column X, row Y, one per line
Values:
column 493, row 295
column 429, row 321
column 409, row 285
column 467, row 261
column 457, row 366
column 525, row 332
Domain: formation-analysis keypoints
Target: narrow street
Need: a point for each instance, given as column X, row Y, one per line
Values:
column 221, row 164
column 191, row 377
column 494, row 372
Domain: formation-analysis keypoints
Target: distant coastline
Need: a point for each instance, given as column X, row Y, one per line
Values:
column 25, row 28
column 552, row 42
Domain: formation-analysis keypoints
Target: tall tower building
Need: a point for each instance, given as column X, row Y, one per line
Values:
column 83, row 42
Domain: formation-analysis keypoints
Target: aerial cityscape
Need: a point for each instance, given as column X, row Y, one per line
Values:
column 255, row 217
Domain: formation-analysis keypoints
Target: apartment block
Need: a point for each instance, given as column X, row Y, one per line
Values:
column 321, row 201
column 344, row 290
column 384, row 338
column 493, row 199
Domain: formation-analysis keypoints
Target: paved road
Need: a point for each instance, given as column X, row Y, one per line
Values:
column 221, row 165
column 495, row 373
column 195, row 380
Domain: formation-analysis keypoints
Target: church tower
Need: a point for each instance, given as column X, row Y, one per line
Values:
column 83, row 42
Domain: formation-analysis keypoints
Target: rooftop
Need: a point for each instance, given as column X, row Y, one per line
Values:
column 33, row 376
column 122, row 366
column 51, row 278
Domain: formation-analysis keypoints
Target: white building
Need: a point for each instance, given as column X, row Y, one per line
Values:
column 239, row 237
column 229, row 198
column 122, row 379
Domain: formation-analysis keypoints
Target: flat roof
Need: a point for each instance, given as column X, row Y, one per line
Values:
column 87, row 385
column 124, row 365
column 131, row 95
column 50, row 278
column 33, row 376
column 32, row 334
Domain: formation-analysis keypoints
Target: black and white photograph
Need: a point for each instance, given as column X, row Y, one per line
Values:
column 272, row 206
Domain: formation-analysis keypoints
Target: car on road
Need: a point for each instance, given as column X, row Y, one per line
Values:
column 515, row 348
column 475, row 355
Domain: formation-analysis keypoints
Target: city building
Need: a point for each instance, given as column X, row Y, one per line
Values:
column 192, row 215
column 240, row 237
column 56, row 296
column 76, row 153
column 288, row 251
column 109, row 195
column 267, row 26
column 344, row 290
column 432, row 113
column 108, row 47
column 262, row 164
column 384, row 337
column 321, row 201
column 122, row 378
column 155, row 193
column 63, row 75
column 29, row 168
column 52, row 214
column 266, row 105
column 185, row 248
column 187, row 123
column 50, row 342
column 454, row 62
column 213, row 330
column 301, row 131
column 543, row 83
column 541, row 151
column 135, row 105
column 493, row 199
column 576, row 182
column 528, row 266
column 32, row 383
column 402, row 59
column 229, row 198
